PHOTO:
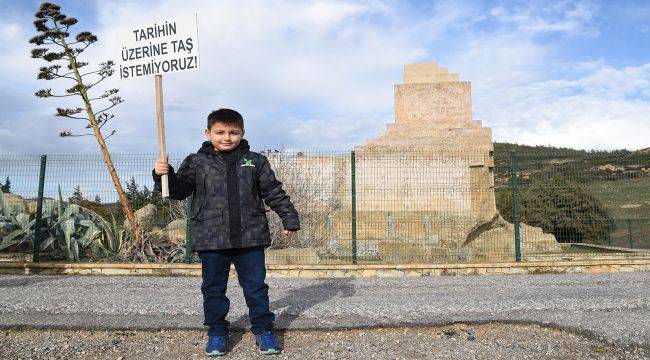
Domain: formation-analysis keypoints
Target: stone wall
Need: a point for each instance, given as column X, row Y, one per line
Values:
column 338, row 271
column 424, row 187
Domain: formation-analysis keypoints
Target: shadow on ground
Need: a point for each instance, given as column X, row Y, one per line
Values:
column 296, row 302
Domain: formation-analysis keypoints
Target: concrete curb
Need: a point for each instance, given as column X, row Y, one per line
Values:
column 336, row 271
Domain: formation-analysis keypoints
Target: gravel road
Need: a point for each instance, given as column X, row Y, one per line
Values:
column 613, row 308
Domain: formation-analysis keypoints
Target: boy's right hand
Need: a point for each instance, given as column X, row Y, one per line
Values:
column 161, row 166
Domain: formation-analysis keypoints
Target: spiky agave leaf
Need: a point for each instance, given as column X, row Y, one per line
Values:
column 47, row 243
column 106, row 233
column 14, row 234
column 74, row 244
column 7, row 243
column 90, row 234
column 22, row 219
column 48, row 208
column 60, row 205
column 68, row 231
column 6, row 211
column 115, row 245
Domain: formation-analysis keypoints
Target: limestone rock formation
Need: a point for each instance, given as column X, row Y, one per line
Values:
column 145, row 216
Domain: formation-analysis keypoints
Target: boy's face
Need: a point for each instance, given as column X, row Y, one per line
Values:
column 224, row 137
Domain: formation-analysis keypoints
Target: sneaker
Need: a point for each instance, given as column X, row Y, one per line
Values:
column 217, row 345
column 266, row 343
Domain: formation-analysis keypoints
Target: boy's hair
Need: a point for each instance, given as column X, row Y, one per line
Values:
column 226, row 116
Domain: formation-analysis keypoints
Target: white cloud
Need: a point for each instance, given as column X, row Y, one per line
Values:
column 527, row 95
column 569, row 17
column 320, row 75
column 28, row 125
column 602, row 110
column 16, row 63
column 316, row 60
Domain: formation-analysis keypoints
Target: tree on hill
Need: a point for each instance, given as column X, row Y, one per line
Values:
column 77, row 196
column 559, row 206
column 54, row 47
column 98, row 200
column 6, row 188
column 142, row 197
column 132, row 193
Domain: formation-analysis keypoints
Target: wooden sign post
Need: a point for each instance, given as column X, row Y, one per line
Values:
column 160, row 117
column 159, row 48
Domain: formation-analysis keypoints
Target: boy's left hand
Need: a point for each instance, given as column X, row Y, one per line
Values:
column 288, row 232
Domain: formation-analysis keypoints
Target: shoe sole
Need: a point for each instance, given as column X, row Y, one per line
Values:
column 270, row 352
column 216, row 353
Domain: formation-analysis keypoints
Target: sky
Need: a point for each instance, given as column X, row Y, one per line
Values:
column 319, row 75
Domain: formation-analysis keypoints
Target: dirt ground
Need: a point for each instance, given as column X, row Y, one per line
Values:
column 489, row 341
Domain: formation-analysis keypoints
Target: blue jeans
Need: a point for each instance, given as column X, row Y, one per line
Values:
column 251, row 272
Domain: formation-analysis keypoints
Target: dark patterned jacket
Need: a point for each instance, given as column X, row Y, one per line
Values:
column 203, row 175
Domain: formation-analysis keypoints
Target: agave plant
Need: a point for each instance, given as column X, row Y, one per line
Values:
column 6, row 212
column 72, row 230
column 68, row 228
column 15, row 227
column 75, row 228
column 113, row 237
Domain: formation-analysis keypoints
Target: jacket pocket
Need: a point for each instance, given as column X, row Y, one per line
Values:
column 255, row 212
column 199, row 196
column 257, row 218
column 258, row 224
column 205, row 214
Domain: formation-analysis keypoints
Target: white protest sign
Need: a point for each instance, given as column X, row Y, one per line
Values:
column 159, row 47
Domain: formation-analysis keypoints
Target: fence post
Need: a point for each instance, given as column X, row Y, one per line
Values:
column 610, row 227
column 629, row 233
column 515, row 203
column 39, row 211
column 188, row 229
column 354, row 206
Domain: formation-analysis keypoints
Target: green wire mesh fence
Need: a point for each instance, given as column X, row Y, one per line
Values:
column 355, row 207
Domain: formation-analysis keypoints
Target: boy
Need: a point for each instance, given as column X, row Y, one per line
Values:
column 229, row 223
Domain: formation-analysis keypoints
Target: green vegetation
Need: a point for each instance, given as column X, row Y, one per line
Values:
column 596, row 192
column 76, row 232
column 136, row 195
column 561, row 207
column 6, row 188
column 140, row 198
column 623, row 199
column 62, row 56
column 67, row 229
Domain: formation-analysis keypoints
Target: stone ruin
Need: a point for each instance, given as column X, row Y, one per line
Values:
column 424, row 187
column 450, row 161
